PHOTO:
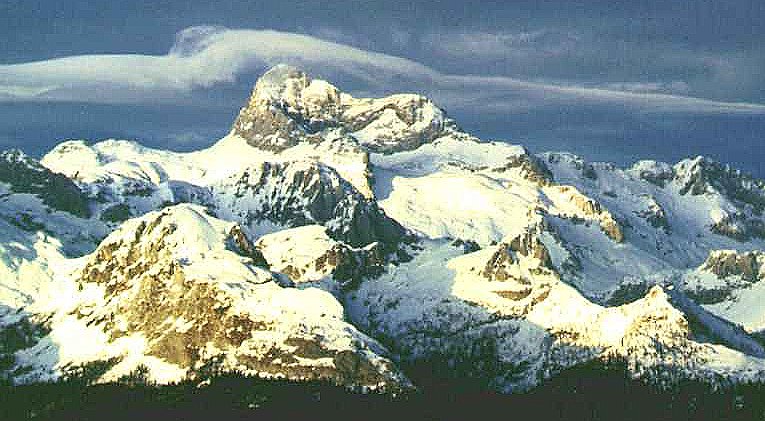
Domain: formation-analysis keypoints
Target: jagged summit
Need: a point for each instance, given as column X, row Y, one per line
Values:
column 288, row 107
column 744, row 196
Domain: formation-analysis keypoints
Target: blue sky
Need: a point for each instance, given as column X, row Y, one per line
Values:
column 614, row 80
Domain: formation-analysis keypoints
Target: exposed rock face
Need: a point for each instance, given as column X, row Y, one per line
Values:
column 593, row 210
column 704, row 176
column 729, row 284
column 497, row 268
column 272, row 120
column 557, row 260
column 654, row 213
column 700, row 175
column 528, row 244
column 396, row 123
column 287, row 107
column 731, row 272
column 26, row 175
column 502, row 306
column 750, row 266
column 304, row 193
column 307, row 255
column 658, row 173
column 739, row 227
column 169, row 278
column 532, row 168
column 516, row 263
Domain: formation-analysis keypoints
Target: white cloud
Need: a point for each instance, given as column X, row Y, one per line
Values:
column 204, row 57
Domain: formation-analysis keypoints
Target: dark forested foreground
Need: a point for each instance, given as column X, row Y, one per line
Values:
column 585, row 393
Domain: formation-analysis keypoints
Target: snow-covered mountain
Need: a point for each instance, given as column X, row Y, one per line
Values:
column 339, row 238
column 179, row 290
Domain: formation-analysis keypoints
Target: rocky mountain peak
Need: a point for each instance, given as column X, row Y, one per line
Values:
column 172, row 280
column 658, row 333
column 178, row 236
column 276, row 118
column 285, row 85
column 322, row 212
column 288, row 107
column 700, row 175
column 742, row 220
column 654, row 172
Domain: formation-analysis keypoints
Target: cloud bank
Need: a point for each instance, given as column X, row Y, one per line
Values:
column 203, row 58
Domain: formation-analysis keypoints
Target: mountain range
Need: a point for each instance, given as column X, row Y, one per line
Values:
column 344, row 239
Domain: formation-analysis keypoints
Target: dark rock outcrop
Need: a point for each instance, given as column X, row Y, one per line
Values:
column 25, row 175
column 301, row 193
column 735, row 271
column 701, row 175
column 654, row 214
column 750, row 266
column 704, row 176
column 531, row 168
